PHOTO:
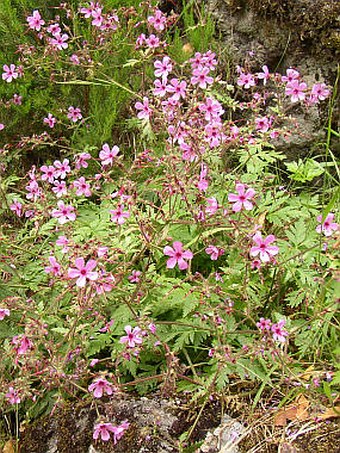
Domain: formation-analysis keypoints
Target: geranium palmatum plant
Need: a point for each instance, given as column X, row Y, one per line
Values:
column 155, row 263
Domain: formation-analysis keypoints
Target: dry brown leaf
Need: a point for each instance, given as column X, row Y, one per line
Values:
column 298, row 410
column 8, row 447
column 306, row 375
column 330, row 412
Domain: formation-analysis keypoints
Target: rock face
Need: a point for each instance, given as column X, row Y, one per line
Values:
column 304, row 34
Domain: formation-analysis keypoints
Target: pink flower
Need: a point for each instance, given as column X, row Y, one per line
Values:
column 34, row 191
column 279, row 334
column 263, row 249
column 212, row 109
column 262, row 124
column 97, row 18
column 320, row 92
column 103, row 430
column 17, row 100
column 107, row 155
column 50, row 120
column 35, row 21
column 214, row 252
column 54, row 267
column 158, row 21
column 201, row 78
column 64, row 214
column 241, row 199
column 23, row 344
column 2, row 126
column 327, row 227
column 10, row 73
column 13, row 396
column 102, row 251
column 74, row 114
column 16, row 207
column 81, row 160
column 3, row 313
column 212, row 206
column 83, row 271
column 163, row 68
column 132, row 338
column 75, row 59
column 59, row 188
column 246, row 80
column 177, row 88
column 264, row 324
column 291, row 74
column 296, row 90
column 83, row 188
column 152, row 41
column 145, row 110
column 62, row 241
column 61, row 168
column 134, row 277
column 265, row 75
column 54, row 29
column 119, row 215
column 59, row 41
column 100, row 386
column 48, row 173
column 177, row 256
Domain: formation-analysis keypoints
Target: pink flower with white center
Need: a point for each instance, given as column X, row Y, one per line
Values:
column 177, row 88
column 279, row 333
column 296, row 90
column 13, row 396
column 177, row 256
column 152, row 41
column 262, row 124
column 163, row 68
column 3, row 313
column 50, row 120
column 61, row 168
column 97, row 18
column 10, row 73
column 214, row 252
column 74, row 114
column 135, row 276
column 242, row 198
column 264, row 324
column 16, row 207
column 54, row 29
column 83, row 272
column 107, row 155
column 103, row 431
column 63, row 242
column 327, row 227
column 160, row 87
column 34, row 191
column 291, row 75
column 158, row 21
column 212, row 206
column 99, row 387
column 35, row 21
column 263, row 247
column 59, row 41
column 83, row 188
column 145, row 110
column 246, row 80
column 54, row 267
column 211, row 108
column 48, row 173
column 64, row 213
column 201, row 78
column 132, row 338
column 320, row 91
column 59, row 188
column 265, row 75
column 22, row 344
column 81, row 160
column 119, row 215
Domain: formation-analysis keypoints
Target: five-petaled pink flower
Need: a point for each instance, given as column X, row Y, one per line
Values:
column 145, row 110
column 64, row 214
column 177, row 256
column 10, row 73
column 83, row 271
column 35, row 21
column 200, row 77
column 54, row 267
column 296, row 90
column 214, row 252
column 107, row 155
column 163, row 68
column 50, row 120
column 100, row 386
column 246, row 80
column 279, row 333
column 3, row 313
column 132, row 338
column 82, row 187
column 327, row 227
column 74, row 114
column 13, row 396
column 104, row 429
column 59, row 41
column 119, row 215
column 242, row 198
column 263, row 247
